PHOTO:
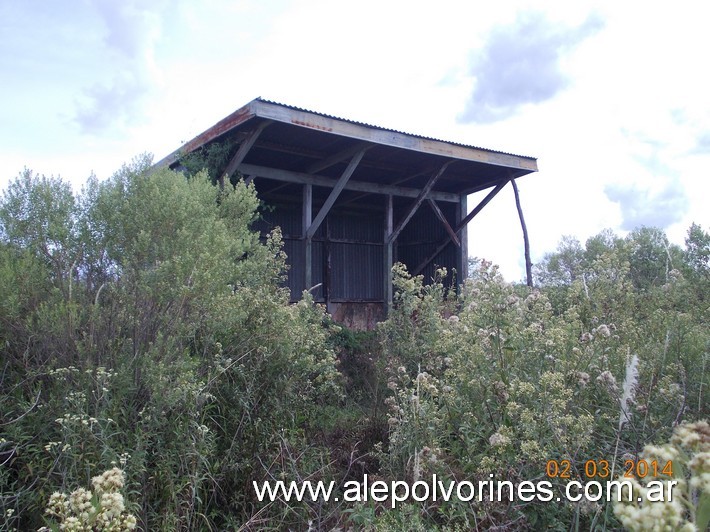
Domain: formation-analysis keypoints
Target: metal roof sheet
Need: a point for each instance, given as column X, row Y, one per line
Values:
column 305, row 142
column 373, row 126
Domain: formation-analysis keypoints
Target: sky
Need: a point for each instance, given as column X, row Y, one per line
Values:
column 612, row 97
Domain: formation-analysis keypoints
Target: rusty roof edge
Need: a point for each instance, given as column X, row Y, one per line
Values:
column 241, row 115
column 391, row 137
column 268, row 109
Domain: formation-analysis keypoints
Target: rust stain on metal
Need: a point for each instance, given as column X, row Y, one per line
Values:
column 223, row 126
column 312, row 126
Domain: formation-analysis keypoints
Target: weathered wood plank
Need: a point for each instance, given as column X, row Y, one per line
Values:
column 336, row 158
column 463, row 238
column 306, row 215
column 463, row 223
column 289, row 176
column 244, row 148
column 444, row 221
column 387, row 253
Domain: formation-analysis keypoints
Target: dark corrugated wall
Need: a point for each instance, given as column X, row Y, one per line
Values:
column 355, row 266
column 347, row 250
column 422, row 236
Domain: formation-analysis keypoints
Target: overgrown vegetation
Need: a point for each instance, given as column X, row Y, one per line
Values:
column 142, row 321
column 145, row 331
column 503, row 379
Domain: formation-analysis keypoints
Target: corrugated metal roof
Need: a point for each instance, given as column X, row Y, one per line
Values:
column 399, row 132
column 298, row 139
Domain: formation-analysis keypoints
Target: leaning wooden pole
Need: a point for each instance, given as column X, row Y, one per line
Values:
column 526, row 240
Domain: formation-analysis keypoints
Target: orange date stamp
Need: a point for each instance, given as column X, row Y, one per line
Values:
column 566, row 469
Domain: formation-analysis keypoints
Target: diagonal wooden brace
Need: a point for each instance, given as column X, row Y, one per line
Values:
column 244, row 148
column 444, row 221
column 422, row 196
column 337, row 189
column 463, row 223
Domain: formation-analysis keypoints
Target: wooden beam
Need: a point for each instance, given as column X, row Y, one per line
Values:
column 463, row 238
column 397, row 182
column 244, row 148
column 306, row 214
column 526, row 240
column 337, row 189
column 387, row 253
column 420, row 198
column 301, row 178
column 463, row 223
column 336, row 158
column 444, row 221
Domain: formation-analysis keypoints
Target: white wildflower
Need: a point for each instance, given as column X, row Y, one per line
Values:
column 602, row 330
column 498, row 440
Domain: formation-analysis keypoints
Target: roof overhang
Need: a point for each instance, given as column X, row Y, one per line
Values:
column 299, row 146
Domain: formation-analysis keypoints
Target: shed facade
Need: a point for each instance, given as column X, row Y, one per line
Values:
column 352, row 199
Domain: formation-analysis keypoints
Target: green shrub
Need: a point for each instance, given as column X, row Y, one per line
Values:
column 144, row 321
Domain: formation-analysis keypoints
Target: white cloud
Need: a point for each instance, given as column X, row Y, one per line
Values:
column 520, row 64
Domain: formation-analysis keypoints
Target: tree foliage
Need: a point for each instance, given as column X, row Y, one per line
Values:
column 143, row 322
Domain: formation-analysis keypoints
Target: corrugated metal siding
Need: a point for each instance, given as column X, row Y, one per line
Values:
column 412, row 256
column 422, row 236
column 356, row 267
column 288, row 217
column 356, row 272
column 361, row 228
column 425, row 226
column 294, row 258
column 317, row 271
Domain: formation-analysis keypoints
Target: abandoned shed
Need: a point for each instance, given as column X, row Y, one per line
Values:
column 352, row 199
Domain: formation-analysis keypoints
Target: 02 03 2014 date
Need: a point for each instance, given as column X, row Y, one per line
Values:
column 602, row 469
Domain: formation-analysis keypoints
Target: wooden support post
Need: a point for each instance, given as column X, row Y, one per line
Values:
column 305, row 224
column 337, row 189
column 463, row 234
column 526, row 240
column 244, row 148
column 422, row 196
column 387, row 253
column 327, row 272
